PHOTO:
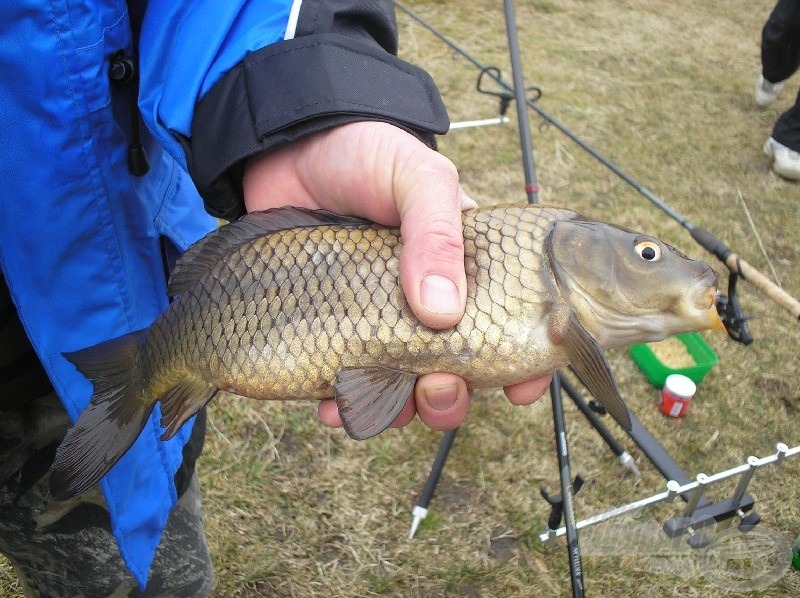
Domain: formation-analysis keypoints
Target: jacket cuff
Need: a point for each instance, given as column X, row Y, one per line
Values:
column 292, row 89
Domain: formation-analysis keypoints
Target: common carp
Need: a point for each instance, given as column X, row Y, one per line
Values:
column 306, row 304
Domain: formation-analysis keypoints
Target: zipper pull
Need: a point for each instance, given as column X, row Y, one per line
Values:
column 123, row 73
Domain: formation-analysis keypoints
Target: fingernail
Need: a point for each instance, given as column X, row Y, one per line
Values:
column 442, row 398
column 467, row 203
column 439, row 295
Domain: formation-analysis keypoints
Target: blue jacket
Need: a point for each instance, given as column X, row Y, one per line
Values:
column 81, row 237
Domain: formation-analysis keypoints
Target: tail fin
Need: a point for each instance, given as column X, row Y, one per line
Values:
column 116, row 414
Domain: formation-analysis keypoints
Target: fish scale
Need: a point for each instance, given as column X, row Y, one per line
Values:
column 356, row 321
column 306, row 304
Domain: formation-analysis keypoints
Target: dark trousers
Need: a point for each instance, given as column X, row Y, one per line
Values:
column 67, row 548
column 780, row 59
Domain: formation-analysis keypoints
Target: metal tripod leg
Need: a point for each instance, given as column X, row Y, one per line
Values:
column 573, row 547
column 625, row 458
column 421, row 508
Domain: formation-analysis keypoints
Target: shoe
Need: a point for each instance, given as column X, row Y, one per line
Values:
column 786, row 161
column 766, row 92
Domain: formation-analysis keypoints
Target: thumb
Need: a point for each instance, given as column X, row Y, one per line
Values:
column 430, row 201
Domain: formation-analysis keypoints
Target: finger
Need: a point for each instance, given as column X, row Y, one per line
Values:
column 528, row 392
column 430, row 201
column 328, row 413
column 407, row 415
column 442, row 400
column 440, row 397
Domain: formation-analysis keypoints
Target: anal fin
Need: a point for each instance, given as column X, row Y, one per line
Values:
column 591, row 365
column 182, row 401
column 371, row 398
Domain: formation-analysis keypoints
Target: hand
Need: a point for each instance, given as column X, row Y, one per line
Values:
column 379, row 172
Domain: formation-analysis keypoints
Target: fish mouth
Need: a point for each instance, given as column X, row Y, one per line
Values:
column 706, row 299
column 714, row 321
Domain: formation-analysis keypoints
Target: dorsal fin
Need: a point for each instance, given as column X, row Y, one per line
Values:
column 202, row 256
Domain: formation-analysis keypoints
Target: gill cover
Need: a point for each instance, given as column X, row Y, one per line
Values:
column 582, row 349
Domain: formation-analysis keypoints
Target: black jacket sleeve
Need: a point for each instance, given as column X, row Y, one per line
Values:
column 341, row 67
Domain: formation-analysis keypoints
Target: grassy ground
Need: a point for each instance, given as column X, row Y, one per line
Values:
column 664, row 90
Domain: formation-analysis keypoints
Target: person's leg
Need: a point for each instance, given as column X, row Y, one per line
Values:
column 780, row 42
column 787, row 128
column 784, row 145
column 67, row 549
column 780, row 51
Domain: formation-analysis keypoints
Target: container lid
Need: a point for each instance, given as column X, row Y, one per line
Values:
column 680, row 386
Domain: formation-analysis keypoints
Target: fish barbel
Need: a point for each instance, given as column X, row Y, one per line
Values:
column 305, row 304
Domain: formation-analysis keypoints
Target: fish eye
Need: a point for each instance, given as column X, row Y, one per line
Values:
column 648, row 250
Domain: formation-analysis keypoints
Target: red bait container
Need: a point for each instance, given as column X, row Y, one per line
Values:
column 676, row 395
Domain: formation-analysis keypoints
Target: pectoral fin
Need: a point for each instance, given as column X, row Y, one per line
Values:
column 590, row 363
column 371, row 398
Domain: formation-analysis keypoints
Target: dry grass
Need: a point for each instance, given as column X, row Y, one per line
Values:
column 663, row 89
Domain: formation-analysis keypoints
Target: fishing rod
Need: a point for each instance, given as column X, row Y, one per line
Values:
column 731, row 312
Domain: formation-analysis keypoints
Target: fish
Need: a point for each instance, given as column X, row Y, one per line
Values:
column 292, row 303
